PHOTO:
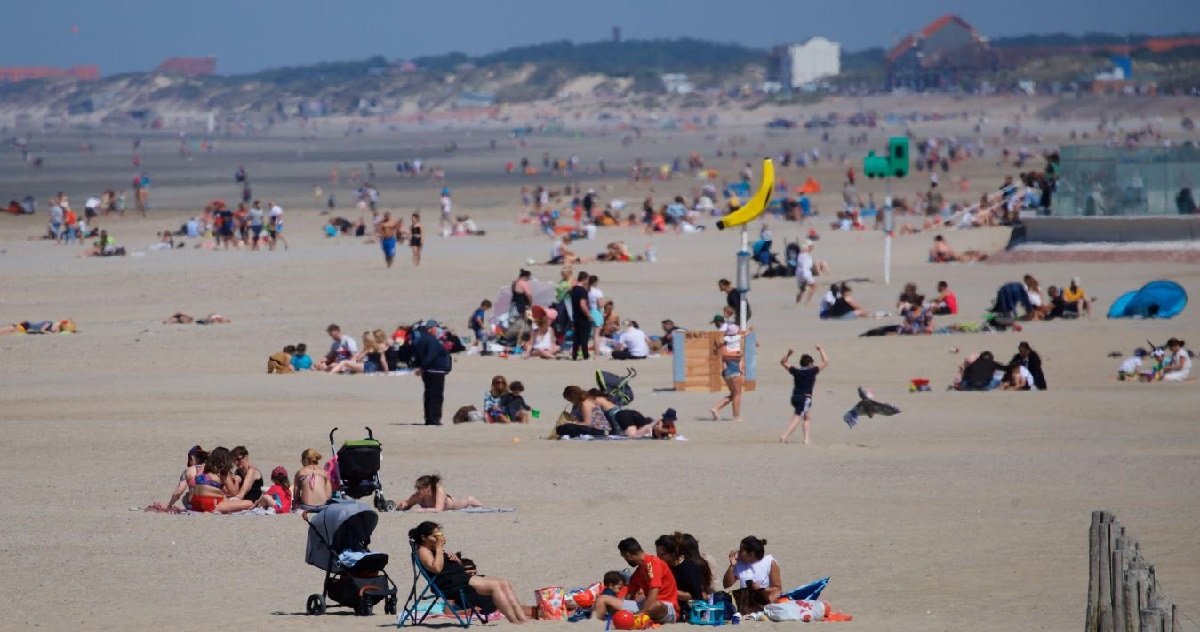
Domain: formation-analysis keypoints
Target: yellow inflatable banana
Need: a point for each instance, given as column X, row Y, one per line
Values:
column 755, row 205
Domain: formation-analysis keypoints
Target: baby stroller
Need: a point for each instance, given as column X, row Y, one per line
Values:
column 616, row 388
column 338, row 543
column 357, row 469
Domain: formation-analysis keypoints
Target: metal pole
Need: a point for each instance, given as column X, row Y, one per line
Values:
column 888, row 228
column 743, row 306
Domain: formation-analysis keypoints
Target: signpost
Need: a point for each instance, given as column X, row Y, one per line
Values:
column 893, row 165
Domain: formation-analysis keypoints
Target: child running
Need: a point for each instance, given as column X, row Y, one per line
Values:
column 805, row 379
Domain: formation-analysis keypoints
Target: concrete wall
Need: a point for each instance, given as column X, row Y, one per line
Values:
column 1111, row 229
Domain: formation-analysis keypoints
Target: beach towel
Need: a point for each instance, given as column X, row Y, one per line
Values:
column 869, row 407
column 811, row 590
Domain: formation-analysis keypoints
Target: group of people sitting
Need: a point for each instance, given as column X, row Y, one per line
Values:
column 225, row 481
column 379, row 353
column 1067, row 302
column 1169, row 363
column 981, row 372
column 917, row 312
column 505, row 403
column 658, row 586
column 591, row 413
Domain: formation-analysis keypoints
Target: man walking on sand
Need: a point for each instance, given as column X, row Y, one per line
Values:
column 433, row 363
column 804, row 378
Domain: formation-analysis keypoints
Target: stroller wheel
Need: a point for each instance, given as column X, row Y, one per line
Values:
column 316, row 604
column 362, row 609
column 389, row 605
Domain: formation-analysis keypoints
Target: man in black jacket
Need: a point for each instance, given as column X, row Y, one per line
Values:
column 433, row 363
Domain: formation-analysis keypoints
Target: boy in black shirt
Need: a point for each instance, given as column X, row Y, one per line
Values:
column 804, row 378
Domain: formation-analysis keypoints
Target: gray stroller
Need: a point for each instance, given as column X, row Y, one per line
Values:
column 339, row 537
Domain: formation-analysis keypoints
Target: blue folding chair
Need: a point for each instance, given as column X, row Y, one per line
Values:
column 420, row 604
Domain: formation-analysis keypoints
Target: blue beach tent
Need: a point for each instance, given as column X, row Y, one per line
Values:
column 1157, row 299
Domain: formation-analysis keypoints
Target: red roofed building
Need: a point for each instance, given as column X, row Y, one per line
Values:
column 189, row 66
column 13, row 74
column 947, row 53
column 1168, row 44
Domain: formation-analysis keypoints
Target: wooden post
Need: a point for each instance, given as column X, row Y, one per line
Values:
column 1151, row 620
column 1104, row 616
column 1118, row 583
column 1093, row 597
column 1129, row 596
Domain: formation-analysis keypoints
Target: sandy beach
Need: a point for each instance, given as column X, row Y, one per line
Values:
column 966, row 511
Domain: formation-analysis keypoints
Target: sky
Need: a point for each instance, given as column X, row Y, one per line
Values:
column 248, row 35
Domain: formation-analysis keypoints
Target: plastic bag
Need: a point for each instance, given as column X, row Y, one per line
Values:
column 551, row 604
column 802, row 610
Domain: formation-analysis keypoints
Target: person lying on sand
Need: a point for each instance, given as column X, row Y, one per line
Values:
column 180, row 318
column 941, row 252
column 430, row 497
column 39, row 327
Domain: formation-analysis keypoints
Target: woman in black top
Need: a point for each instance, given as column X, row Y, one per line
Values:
column 450, row 577
column 414, row 238
column 251, row 478
column 688, row 576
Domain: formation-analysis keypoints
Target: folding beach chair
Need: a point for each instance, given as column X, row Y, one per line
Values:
column 420, row 604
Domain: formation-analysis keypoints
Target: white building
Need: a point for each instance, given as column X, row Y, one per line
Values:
column 801, row 64
column 677, row 83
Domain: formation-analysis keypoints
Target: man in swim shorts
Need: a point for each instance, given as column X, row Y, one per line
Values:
column 387, row 238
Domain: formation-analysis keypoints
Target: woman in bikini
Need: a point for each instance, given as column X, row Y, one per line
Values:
column 196, row 458
column 430, row 496
column 311, row 488
column 216, row 488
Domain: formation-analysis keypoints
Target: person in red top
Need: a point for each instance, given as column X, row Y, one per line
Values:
column 946, row 302
column 651, row 589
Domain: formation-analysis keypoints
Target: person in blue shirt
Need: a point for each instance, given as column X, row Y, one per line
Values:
column 478, row 325
column 301, row 361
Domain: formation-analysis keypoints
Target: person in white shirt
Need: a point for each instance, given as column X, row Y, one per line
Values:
column 1131, row 367
column 804, row 274
column 1018, row 379
column 445, row 222
column 632, row 344
column 1179, row 366
column 275, row 226
column 342, row 348
column 595, row 308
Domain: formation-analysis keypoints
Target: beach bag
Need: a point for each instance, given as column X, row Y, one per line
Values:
column 463, row 415
column 551, row 603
